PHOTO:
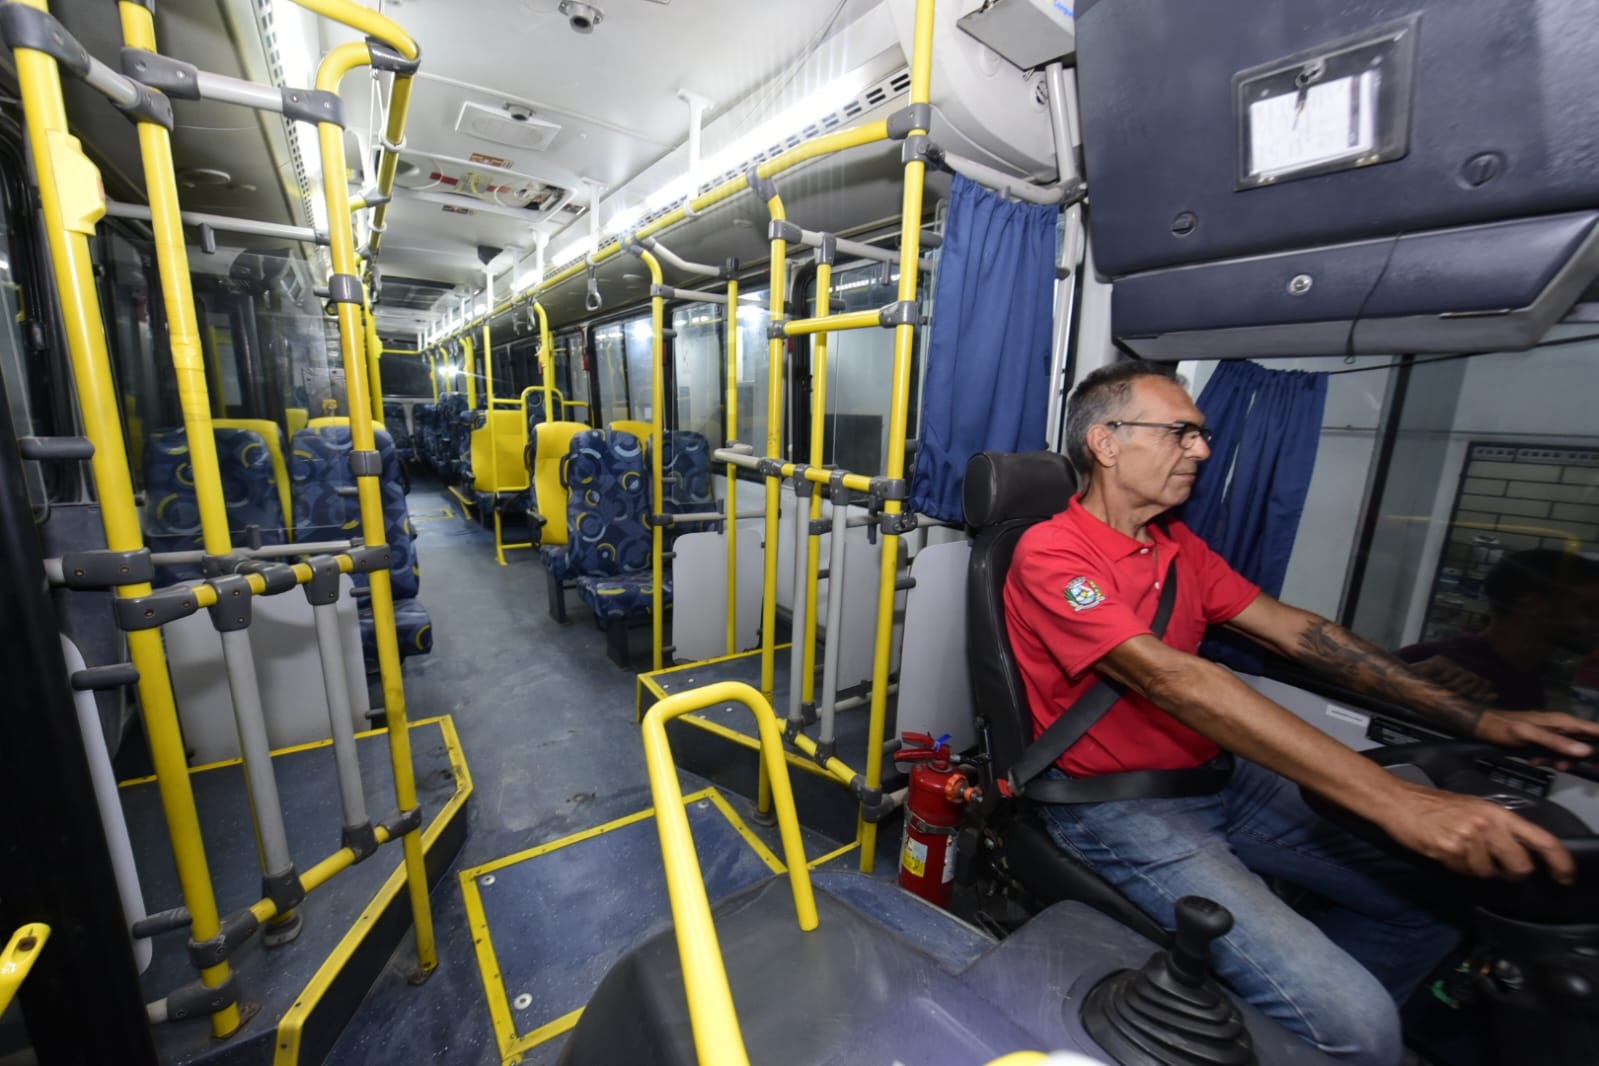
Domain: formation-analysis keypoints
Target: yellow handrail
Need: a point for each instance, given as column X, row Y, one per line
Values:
column 827, row 144
column 710, row 999
column 657, row 459
column 910, row 252
column 732, row 471
column 72, row 201
column 20, row 955
column 341, row 243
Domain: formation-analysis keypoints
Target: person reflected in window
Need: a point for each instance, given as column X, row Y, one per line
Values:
column 1079, row 601
column 1539, row 602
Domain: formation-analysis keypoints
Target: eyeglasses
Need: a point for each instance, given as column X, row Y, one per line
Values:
column 1184, row 432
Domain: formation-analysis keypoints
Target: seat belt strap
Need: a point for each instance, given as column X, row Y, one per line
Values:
column 1090, row 707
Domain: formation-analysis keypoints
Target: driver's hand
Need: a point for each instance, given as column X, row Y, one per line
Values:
column 1554, row 730
column 1475, row 837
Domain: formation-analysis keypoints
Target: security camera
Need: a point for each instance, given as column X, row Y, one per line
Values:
column 580, row 16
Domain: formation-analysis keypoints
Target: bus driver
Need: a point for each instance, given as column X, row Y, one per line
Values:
column 1079, row 600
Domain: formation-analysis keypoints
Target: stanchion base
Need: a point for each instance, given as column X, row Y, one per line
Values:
column 765, row 819
column 283, row 930
column 419, row 977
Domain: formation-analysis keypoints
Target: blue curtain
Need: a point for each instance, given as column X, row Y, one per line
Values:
column 987, row 377
column 1250, row 494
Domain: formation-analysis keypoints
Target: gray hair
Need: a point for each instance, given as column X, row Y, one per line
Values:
column 1100, row 395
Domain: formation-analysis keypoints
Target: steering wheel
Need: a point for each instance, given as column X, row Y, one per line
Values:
column 1476, row 769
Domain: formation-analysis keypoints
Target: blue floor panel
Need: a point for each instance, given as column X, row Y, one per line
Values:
column 559, row 920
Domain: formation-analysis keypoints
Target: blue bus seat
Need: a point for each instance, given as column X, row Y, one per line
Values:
column 686, row 478
column 320, row 467
column 394, row 417
column 609, row 550
column 249, row 486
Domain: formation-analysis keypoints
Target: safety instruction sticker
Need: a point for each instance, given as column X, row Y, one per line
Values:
column 915, row 857
column 949, row 861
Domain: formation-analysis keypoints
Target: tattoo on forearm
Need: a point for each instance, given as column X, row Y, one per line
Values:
column 1360, row 665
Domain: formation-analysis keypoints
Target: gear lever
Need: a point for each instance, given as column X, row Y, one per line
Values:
column 1171, row 1012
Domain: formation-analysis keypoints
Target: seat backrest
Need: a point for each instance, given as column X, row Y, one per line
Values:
column 394, row 419
column 642, row 430
column 509, row 473
column 1005, row 495
column 272, row 436
column 688, row 476
column 319, row 467
column 608, row 501
column 552, row 441
column 249, row 487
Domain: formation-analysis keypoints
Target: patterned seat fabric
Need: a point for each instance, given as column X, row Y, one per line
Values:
column 688, row 477
column 557, row 560
column 249, row 487
column 607, row 503
column 394, row 419
column 609, row 551
column 453, row 435
column 319, row 467
column 411, row 624
column 622, row 596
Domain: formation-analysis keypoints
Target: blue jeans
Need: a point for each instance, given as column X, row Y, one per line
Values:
column 1333, row 980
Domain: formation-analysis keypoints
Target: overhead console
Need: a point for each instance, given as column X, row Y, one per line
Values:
column 1321, row 177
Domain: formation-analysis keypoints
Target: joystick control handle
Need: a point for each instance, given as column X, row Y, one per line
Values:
column 1199, row 921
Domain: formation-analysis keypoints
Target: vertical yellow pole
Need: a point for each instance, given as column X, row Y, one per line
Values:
column 433, row 374
column 774, row 494
column 494, row 445
column 732, row 471
column 469, row 368
column 547, row 365
column 657, row 461
column 335, row 66
column 72, row 201
column 374, row 361
column 813, row 544
column 910, row 242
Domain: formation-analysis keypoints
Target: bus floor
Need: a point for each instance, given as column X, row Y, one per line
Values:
column 547, row 724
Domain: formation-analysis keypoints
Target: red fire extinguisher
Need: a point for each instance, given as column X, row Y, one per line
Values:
column 932, row 817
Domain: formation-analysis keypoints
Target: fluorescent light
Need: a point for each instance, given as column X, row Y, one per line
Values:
column 788, row 122
column 576, row 250
column 623, row 219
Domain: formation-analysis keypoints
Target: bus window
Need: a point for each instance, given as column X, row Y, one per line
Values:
column 571, row 376
column 1454, row 517
column 698, row 349
column 754, row 363
column 20, row 383
column 860, row 376
column 610, row 357
column 640, row 373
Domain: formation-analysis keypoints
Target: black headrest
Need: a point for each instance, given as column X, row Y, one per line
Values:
column 1001, row 487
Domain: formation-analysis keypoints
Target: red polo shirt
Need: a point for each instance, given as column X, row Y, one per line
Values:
column 1078, row 588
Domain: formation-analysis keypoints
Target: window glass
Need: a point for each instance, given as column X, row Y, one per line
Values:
column 22, row 384
column 1453, row 517
column 698, row 353
column 860, row 372
column 610, row 359
column 753, row 370
column 640, row 375
column 571, row 377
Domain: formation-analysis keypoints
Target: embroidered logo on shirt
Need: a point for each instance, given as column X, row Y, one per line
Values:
column 1082, row 594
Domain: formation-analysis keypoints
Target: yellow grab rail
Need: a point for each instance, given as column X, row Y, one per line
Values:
column 72, row 200
column 18, row 959
column 710, row 999
column 341, row 244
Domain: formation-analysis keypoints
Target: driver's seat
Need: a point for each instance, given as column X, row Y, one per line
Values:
column 1005, row 495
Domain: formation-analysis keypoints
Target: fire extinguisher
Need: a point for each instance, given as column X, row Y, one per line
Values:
column 938, row 788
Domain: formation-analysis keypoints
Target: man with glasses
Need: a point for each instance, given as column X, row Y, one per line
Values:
column 1083, row 590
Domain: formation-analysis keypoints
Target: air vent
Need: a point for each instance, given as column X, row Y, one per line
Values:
column 512, row 125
